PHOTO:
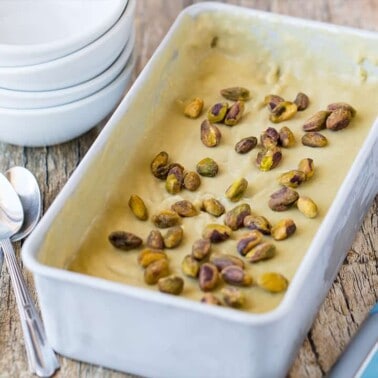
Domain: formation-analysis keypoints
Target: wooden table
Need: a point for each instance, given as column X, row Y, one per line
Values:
column 355, row 289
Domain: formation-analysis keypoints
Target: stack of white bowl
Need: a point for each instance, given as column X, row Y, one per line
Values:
column 64, row 66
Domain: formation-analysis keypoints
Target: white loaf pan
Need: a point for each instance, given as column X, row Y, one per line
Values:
column 152, row 334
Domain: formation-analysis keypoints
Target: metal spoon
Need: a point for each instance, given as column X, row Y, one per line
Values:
column 41, row 357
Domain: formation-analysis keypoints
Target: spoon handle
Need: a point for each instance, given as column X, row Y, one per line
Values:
column 41, row 357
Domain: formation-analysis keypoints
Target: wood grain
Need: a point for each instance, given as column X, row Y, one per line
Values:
column 355, row 289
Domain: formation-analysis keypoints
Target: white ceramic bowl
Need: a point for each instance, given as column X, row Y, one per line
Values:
column 37, row 31
column 44, row 99
column 75, row 68
column 58, row 124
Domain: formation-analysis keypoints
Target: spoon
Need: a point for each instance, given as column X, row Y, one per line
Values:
column 41, row 357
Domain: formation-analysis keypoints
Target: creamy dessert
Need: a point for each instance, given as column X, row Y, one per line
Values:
column 212, row 59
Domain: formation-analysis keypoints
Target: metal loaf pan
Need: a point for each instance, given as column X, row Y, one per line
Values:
column 148, row 333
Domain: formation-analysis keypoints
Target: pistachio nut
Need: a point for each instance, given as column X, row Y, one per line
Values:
column 283, row 199
column 341, row 105
column 173, row 237
column 171, row 285
column 208, row 277
column 217, row 112
column 234, row 114
column 166, row 219
column 207, row 167
column 245, row 145
column 269, row 137
column 307, row 207
column 292, row 178
column 263, row 251
column 190, row 266
column 283, row 229
column 211, row 299
column 159, row 165
column 148, row 256
column 233, row 297
column 210, row 134
column 271, row 101
column 222, row 260
column 155, row 271
column 155, row 240
column 273, row 282
column 192, row 181
column 216, row 233
column 317, row 121
column 201, row 249
column 314, row 139
column 306, row 165
column 257, row 222
column 234, row 275
column 213, row 207
column 175, row 179
column 138, row 207
column 124, row 240
column 302, row 101
column 235, row 94
column 287, row 138
column 234, row 218
column 236, row 190
column 249, row 241
column 184, row 208
column 283, row 111
column 339, row 119
column 194, row 108
column 268, row 158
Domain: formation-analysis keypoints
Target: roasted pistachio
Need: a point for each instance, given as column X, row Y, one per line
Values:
column 339, row 119
column 269, row 137
column 208, row 277
column 249, row 241
column 236, row 190
column 155, row 240
column 165, row 219
column 273, row 282
column 292, row 178
column 148, row 256
column 306, row 165
column 283, row 199
column 217, row 112
column 234, row 114
column 307, row 207
column 210, row 298
column 184, row 208
column 207, row 167
column 341, row 105
column 216, row 233
column 233, row 297
column 192, row 181
column 316, row 122
column 124, row 240
column 234, row 218
column 287, row 138
column 210, row 134
column 257, row 222
column 175, row 179
column 222, row 260
column 283, row 229
column 235, row 94
column 268, row 158
column 271, row 101
column 283, row 111
column 234, row 275
column 245, row 145
column 201, row 249
column 171, row 285
column 173, row 237
column 138, row 207
column 263, row 251
column 194, row 108
column 190, row 266
column 314, row 139
column 302, row 101
column 155, row 271
column 159, row 165
column 213, row 207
